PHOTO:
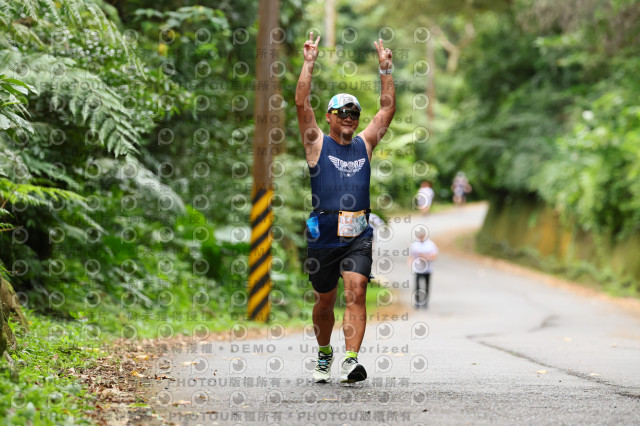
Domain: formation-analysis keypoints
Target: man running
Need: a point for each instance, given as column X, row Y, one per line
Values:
column 340, row 168
column 460, row 188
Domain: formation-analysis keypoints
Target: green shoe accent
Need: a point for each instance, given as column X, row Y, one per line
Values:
column 351, row 354
column 326, row 349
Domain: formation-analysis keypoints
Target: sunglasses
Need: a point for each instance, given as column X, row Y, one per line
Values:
column 344, row 113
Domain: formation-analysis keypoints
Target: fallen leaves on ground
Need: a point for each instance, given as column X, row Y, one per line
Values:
column 118, row 381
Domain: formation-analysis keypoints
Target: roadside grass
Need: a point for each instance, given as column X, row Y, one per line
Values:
column 295, row 316
column 44, row 390
column 291, row 308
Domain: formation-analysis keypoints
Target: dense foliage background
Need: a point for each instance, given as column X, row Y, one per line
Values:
column 126, row 132
column 123, row 124
column 549, row 109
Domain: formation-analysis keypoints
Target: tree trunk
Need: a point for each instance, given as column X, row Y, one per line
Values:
column 329, row 39
column 4, row 338
column 431, row 85
column 9, row 308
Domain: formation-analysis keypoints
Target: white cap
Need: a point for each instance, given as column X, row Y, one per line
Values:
column 342, row 99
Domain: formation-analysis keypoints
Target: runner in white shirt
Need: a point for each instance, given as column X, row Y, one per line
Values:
column 424, row 197
column 421, row 255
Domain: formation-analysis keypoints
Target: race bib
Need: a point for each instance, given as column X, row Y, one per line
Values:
column 351, row 224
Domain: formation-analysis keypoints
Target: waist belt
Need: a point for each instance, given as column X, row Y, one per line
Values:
column 336, row 211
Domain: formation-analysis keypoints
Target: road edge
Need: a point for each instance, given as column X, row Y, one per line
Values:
column 447, row 244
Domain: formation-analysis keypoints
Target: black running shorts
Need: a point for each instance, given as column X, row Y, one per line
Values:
column 325, row 265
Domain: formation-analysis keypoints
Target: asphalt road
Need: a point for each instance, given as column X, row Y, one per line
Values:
column 494, row 347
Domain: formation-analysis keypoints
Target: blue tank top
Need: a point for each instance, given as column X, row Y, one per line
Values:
column 339, row 181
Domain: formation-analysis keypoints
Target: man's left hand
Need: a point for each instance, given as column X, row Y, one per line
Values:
column 384, row 55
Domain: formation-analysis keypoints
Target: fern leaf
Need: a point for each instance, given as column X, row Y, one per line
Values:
column 112, row 141
column 77, row 99
column 5, row 123
column 93, row 11
column 18, row 27
column 42, row 130
column 44, row 168
column 33, row 195
column 89, row 221
column 30, row 7
column 71, row 7
column 51, row 10
column 108, row 29
column 106, row 128
column 18, row 121
column 88, row 106
column 5, row 13
column 6, row 226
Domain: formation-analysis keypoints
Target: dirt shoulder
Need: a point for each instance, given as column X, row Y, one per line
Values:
column 127, row 384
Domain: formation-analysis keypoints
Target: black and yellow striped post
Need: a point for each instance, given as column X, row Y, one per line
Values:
column 260, row 255
column 266, row 119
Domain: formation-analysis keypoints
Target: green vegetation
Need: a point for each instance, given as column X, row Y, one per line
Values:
column 126, row 132
column 49, row 357
column 538, row 101
column 109, row 174
column 549, row 109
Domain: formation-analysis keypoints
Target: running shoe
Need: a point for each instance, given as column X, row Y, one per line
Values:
column 351, row 371
column 322, row 373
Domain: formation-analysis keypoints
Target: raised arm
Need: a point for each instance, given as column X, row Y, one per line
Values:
column 382, row 120
column 309, row 130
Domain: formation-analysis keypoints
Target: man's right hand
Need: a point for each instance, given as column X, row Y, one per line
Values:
column 310, row 50
column 309, row 131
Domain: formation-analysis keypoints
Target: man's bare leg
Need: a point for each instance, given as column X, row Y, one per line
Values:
column 355, row 316
column 323, row 321
column 354, row 324
column 323, row 317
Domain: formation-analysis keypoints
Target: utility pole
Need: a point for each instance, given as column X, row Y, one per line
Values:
column 329, row 40
column 266, row 118
column 431, row 87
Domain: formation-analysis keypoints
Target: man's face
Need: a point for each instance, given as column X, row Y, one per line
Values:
column 343, row 122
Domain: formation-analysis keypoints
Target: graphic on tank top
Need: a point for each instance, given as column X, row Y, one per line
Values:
column 340, row 182
column 347, row 167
